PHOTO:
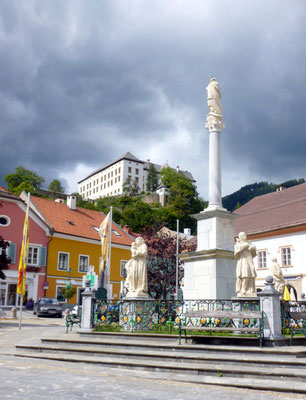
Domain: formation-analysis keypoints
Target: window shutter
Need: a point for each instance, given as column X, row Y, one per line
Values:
column 12, row 252
column 42, row 256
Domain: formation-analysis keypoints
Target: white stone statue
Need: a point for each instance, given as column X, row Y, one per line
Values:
column 213, row 99
column 245, row 270
column 137, row 281
column 278, row 277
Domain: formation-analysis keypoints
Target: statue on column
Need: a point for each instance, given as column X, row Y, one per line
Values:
column 137, row 281
column 213, row 100
column 245, row 270
column 278, row 277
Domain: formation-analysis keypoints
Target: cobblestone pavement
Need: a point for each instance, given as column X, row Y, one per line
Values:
column 31, row 379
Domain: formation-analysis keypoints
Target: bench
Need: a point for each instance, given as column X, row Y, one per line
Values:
column 297, row 323
column 222, row 321
column 71, row 320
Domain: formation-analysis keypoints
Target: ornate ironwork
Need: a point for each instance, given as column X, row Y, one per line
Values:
column 293, row 317
column 167, row 315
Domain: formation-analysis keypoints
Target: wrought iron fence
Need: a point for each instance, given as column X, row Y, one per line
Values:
column 293, row 316
column 164, row 315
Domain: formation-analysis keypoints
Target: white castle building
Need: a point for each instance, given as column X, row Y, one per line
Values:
column 110, row 179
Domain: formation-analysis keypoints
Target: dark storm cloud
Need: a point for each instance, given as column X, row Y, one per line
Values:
column 83, row 82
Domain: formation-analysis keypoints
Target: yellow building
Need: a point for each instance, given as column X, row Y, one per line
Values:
column 74, row 245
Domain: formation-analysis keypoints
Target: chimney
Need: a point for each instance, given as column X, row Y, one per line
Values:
column 178, row 168
column 187, row 231
column 71, row 202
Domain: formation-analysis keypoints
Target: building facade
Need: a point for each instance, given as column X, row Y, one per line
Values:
column 74, row 245
column 12, row 215
column 276, row 224
column 110, row 179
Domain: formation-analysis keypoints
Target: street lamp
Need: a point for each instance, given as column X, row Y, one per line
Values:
column 68, row 285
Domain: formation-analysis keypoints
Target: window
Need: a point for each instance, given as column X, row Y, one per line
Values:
column 137, row 171
column 286, row 255
column 122, row 268
column 83, row 263
column 4, row 220
column 115, row 180
column 60, row 291
column 118, row 178
column 116, row 233
column 119, row 169
column 32, row 255
column 63, row 261
column 129, row 170
column 112, row 174
column 262, row 259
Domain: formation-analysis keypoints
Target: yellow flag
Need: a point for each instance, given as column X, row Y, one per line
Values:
column 287, row 294
column 104, row 235
column 23, row 256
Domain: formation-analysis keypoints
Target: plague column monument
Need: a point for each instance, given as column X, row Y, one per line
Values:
column 210, row 271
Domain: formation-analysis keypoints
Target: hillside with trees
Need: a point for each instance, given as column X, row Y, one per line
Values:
column 248, row 192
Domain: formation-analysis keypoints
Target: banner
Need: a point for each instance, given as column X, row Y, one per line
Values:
column 287, row 294
column 104, row 232
column 23, row 255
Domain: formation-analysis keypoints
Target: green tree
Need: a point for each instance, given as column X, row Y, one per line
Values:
column 23, row 187
column 152, row 179
column 23, row 176
column 56, row 187
column 130, row 188
column 183, row 200
column 138, row 216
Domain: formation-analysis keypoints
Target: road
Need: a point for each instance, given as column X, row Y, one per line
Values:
column 31, row 379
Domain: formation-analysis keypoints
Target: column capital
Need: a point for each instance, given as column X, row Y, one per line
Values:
column 214, row 125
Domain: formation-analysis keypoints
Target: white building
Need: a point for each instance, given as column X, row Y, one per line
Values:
column 276, row 224
column 110, row 179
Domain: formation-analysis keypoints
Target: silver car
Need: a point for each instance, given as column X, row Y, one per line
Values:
column 48, row 306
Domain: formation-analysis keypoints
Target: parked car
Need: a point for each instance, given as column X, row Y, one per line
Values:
column 48, row 306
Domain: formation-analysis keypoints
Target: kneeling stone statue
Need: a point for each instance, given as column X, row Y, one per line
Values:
column 137, row 279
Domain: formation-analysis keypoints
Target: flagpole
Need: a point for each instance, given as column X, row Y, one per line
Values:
column 110, row 244
column 177, row 250
column 24, row 258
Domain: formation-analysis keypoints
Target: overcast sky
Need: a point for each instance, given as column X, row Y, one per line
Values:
column 84, row 81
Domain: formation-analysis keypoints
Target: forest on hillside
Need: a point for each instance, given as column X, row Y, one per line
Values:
column 248, row 192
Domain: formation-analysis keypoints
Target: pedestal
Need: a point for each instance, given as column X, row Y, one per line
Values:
column 210, row 272
column 87, row 311
column 270, row 305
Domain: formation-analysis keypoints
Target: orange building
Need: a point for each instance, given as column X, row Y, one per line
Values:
column 75, row 244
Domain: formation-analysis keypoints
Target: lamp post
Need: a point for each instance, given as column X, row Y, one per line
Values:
column 68, row 285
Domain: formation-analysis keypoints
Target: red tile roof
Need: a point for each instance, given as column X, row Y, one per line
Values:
column 273, row 211
column 80, row 222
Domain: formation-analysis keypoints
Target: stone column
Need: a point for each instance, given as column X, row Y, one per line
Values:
column 270, row 305
column 214, row 127
column 87, row 309
column 210, row 272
